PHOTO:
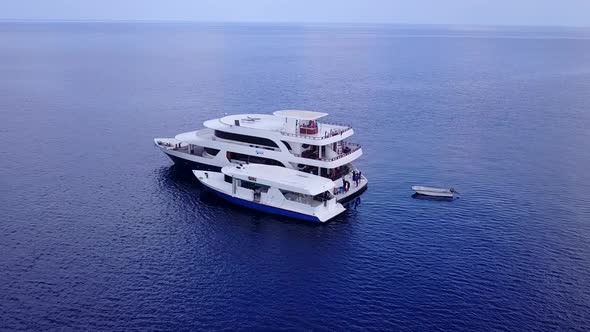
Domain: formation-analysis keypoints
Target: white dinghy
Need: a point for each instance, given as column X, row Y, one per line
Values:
column 435, row 192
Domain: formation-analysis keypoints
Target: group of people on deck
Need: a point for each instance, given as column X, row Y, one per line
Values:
column 306, row 124
column 307, row 127
column 356, row 177
column 344, row 188
column 313, row 125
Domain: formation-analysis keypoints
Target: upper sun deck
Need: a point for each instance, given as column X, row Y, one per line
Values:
column 254, row 121
column 296, row 124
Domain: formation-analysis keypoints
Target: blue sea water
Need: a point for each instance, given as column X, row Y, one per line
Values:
column 100, row 231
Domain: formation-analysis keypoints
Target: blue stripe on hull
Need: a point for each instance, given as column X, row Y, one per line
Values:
column 265, row 208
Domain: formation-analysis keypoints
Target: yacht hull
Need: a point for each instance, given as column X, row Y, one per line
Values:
column 265, row 208
column 354, row 195
column 189, row 164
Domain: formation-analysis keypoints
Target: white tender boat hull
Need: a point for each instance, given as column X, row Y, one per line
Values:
column 434, row 192
column 272, row 202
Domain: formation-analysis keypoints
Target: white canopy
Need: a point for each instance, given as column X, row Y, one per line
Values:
column 280, row 177
column 299, row 114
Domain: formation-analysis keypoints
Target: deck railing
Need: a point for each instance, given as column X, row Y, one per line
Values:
column 327, row 133
column 353, row 148
column 349, row 148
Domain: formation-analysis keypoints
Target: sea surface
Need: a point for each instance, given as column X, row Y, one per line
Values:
column 99, row 231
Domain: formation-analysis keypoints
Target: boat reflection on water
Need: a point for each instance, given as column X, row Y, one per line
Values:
column 175, row 178
column 178, row 185
column 433, row 198
column 353, row 204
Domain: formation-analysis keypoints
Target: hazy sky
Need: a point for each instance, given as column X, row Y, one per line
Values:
column 486, row 12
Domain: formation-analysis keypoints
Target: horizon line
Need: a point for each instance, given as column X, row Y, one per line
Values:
column 503, row 25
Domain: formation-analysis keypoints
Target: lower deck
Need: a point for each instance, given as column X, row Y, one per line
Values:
column 196, row 158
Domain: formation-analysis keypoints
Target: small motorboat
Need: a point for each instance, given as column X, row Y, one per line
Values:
column 274, row 189
column 435, row 192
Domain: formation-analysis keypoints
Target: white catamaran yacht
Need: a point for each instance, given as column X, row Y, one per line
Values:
column 276, row 190
column 289, row 138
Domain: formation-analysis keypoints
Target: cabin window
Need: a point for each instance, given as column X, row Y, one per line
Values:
column 254, row 186
column 325, row 196
column 253, row 159
column 297, row 197
column 287, row 145
column 227, row 178
column 246, row 139
column 211, row 151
